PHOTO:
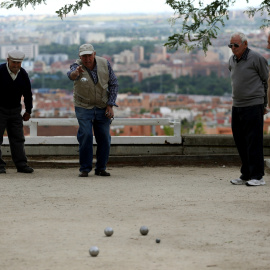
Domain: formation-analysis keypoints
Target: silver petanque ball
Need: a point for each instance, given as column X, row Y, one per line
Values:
column 157, row 240
column 144, row 230
column 93, row 251
column 108, row 231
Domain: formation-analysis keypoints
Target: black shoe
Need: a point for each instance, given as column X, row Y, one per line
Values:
column 102, row 173
column 2, row 170
column 25, row 169
column 83, row 174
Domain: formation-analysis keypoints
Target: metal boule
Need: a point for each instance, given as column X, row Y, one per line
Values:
column 144, row 230
column 108, row 231
column 93, row 251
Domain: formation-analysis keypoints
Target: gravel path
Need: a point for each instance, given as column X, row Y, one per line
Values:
column 51, row 218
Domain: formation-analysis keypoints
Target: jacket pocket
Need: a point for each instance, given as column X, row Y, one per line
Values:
column 105, row 86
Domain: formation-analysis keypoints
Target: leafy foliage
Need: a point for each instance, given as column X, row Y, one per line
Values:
column 264, row 6
column 197, row 85
column 62, row 12
column 21, row 3
column 200, row 85
column 201, row 24
column 199, row 127
column 52, row 81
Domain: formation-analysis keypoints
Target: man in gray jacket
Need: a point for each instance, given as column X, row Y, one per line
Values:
column 249, row 75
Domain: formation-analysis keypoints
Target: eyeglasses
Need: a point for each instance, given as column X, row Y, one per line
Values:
column 233, row 44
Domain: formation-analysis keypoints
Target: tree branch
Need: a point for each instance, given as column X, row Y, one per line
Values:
column 62, row 12
column 198, row 25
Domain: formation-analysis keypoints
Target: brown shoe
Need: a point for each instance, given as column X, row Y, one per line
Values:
column 102, row 173
column 83, row 174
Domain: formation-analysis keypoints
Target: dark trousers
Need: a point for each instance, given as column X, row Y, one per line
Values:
column 11, row 120
column 247, row 128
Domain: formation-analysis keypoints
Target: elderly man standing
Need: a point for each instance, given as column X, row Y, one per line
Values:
column 268, row 92
column 95, row 93
column 249, row 74
column 15, row 83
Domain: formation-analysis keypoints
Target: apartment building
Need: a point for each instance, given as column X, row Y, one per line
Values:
column 31, row 50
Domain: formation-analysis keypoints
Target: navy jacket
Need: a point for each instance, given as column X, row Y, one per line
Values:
column 12, row 91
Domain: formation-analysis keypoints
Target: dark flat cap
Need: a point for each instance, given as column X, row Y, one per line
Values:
column 16, row 55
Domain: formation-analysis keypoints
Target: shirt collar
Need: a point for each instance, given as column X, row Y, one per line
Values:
column 13, row 76
column 94, row 69
column 244, row 55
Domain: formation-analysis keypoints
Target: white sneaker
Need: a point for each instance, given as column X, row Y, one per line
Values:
column 238, row 181
column 254, row 182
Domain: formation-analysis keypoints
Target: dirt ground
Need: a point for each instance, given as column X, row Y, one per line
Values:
column 51, row 218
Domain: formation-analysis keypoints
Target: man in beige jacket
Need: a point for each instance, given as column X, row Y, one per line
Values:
column 95, row 92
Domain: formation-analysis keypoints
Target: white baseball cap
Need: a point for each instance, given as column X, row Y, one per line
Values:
column 86, row 49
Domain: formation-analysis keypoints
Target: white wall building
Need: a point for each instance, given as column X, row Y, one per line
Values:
column 138, row 53
column 125, row 57
column 160, row 54
column 91, row 37
column 31, row 50
column 67, row 38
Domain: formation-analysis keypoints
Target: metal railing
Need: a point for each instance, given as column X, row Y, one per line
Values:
column 33, row 123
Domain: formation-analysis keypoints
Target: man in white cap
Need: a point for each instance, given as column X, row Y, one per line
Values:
column 15, row 83
column 95, row 93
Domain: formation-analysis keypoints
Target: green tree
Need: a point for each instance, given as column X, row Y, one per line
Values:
column 199, row 127
column 199, row 23
column 186, row 126
column 101, row 48
column 168, row 131
column 62, row 12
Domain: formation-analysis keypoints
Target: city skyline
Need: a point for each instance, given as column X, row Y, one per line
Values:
column 112, row 7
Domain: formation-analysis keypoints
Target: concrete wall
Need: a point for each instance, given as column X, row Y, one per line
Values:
column 217, row 150
column 199, row 145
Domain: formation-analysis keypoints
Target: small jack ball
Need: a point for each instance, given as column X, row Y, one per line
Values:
column 157, row 240
column 144, row 230
column 108, row 231
column 93, row 251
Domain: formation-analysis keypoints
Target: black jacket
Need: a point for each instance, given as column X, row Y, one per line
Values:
column 12, row 91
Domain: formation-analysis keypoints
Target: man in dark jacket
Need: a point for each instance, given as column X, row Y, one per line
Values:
column 15, row 83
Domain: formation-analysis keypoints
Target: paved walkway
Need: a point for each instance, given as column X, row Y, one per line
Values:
column 51, row 218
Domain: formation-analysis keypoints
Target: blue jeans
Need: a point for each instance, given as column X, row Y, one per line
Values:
column 247, row 128
column 93, row 120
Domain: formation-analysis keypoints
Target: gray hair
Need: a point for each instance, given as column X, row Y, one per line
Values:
column 241, row 35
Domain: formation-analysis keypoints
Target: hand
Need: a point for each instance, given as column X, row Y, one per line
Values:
column 76, row 73
column 109, row 112
column 26, row 116
column 266, row 110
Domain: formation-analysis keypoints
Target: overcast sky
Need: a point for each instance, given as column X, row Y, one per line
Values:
column 110, row 7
